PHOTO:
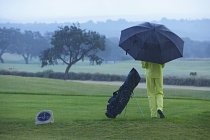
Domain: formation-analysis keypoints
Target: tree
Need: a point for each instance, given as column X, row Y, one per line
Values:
column 94, row 58
column 29, row 44
column 72, row 44
column 6, row 39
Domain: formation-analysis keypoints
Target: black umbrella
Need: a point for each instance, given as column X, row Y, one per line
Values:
column 151, row 42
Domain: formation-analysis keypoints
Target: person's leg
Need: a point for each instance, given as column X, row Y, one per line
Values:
column 159, row 96
column 159, row 93
column 151, row 96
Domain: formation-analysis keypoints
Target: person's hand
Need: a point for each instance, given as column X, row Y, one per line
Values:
column 144, row 65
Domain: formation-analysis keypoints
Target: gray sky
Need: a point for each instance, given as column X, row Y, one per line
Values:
column 84, row 10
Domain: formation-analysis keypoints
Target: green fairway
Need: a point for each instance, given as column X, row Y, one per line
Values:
column 177, row 68
column 79, row 112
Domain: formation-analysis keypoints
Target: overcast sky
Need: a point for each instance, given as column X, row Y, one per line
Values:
column 84, row 10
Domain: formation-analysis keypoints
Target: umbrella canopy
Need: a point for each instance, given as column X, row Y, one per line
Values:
column 151, row 42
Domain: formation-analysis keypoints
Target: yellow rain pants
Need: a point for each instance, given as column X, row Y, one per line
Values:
column 154, row 82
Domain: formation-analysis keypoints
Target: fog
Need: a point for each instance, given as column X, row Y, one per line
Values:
column 25, row 11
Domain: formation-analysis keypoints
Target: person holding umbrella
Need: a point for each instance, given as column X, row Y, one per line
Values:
column 154, row 83
column 153, row 44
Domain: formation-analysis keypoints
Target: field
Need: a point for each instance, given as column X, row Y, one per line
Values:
column 79, row 112
column 178, row 68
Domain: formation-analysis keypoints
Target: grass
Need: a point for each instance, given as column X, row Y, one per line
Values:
column 178, row 67
column 79, row 112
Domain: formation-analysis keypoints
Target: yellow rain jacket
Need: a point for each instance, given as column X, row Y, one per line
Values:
column 154, row 82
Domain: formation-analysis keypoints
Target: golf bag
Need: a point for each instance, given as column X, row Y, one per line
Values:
column 120, row 98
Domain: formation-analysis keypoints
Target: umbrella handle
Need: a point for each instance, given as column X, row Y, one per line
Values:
column 126, row 51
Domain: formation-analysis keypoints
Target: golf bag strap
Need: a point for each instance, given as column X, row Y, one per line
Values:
column 139, row 107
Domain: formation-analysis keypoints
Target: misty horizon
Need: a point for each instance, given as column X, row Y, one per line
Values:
column 94, row 20
column 30, row 11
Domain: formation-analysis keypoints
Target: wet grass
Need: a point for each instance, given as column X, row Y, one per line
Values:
column 178, row 68
column 79, row 112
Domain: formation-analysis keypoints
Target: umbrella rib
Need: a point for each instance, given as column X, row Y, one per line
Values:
column 170, row 38
column 159, row 46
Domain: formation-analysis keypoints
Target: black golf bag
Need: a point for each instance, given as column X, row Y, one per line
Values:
column 120, row 98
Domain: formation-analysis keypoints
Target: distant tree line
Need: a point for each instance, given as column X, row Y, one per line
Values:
column 196, row 49
column 195, row 29
column 30, row 44
column 27, row 44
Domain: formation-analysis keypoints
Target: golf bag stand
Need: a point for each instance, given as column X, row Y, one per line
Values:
column 120, row 98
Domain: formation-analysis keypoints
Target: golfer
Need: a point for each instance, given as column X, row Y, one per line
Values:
column 154, row 82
